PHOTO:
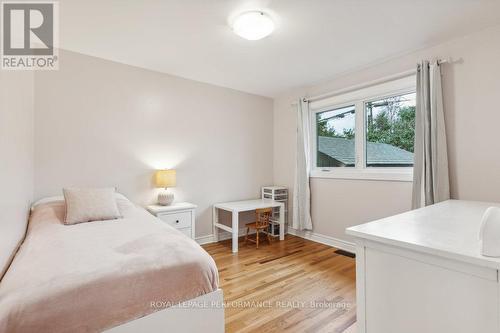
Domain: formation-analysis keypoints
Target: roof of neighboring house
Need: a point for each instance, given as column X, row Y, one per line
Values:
column 378, row 153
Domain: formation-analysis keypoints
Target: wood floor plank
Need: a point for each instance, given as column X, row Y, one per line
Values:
column 294, row 285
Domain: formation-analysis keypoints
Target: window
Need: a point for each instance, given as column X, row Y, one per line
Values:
column 335, row 139
column 367, row 133
column 390, row 131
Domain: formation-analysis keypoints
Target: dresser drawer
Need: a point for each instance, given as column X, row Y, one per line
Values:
column 177, row 220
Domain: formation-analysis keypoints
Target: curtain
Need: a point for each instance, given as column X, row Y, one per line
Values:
column 430, row 175
column 301, row 190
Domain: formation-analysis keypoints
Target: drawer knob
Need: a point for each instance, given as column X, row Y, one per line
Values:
column 176, row 221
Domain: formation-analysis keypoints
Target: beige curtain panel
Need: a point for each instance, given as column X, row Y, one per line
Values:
column 301, row 190
column 430, row 175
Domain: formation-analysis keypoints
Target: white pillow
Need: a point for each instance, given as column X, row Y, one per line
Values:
column 47, row 200
column 90, row 204
column 56, row 198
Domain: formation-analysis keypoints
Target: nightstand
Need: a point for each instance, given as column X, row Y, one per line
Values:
column 178, row 215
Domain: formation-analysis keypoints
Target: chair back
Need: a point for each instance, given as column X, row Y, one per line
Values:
column 263, row 216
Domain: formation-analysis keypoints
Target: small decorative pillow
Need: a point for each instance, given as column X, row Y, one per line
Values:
column 92, row 204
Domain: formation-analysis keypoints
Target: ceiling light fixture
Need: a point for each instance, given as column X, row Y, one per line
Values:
column 253, row 25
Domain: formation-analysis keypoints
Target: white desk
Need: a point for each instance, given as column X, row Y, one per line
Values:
column 237, row 207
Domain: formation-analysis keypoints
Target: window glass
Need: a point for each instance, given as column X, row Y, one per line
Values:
column 390, row 131
column 335, row 137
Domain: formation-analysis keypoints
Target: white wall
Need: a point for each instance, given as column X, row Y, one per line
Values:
column 16, row 166
column 471, row 87
column 100, row 123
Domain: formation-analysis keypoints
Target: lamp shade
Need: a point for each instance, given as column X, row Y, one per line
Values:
column 165, row 178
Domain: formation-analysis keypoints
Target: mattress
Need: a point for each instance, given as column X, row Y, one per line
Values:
column 93, row 276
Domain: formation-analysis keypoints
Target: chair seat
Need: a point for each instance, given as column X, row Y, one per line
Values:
column 253, row 225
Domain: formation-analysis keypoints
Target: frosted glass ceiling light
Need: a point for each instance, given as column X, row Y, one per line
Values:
column 253, row 25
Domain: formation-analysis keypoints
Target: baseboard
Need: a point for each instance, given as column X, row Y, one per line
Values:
column 223, row 235
column 315, row 237
column 207, row 239
column 324, row 239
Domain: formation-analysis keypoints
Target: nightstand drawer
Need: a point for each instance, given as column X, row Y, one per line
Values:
column 186, row 231
column 179, row 215
column 177, row 220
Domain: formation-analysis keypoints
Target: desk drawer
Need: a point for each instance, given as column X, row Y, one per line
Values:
column 177, row 220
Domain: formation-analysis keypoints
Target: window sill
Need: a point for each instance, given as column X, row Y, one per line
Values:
column 400, row 174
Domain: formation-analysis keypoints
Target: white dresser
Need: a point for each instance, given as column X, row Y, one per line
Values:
column 422, row 271
column 179, row 215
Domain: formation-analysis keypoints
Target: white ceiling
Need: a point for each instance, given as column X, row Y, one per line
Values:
column 314, row 39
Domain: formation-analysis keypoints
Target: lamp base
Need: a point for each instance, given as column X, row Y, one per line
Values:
column 165, row 198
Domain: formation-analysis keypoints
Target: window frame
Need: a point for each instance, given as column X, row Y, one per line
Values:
column 359, row 98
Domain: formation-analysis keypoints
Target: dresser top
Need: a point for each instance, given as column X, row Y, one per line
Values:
column 176, row 206
column 448, row 229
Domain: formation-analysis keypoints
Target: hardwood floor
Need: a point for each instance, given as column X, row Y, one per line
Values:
column 294, row 285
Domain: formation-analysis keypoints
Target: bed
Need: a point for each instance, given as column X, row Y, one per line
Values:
column 124, row 275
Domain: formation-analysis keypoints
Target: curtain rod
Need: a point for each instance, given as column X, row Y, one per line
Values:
column 363, row 85
column 370, row 83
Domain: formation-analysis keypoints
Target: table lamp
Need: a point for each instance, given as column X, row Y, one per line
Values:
column 165, row 179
